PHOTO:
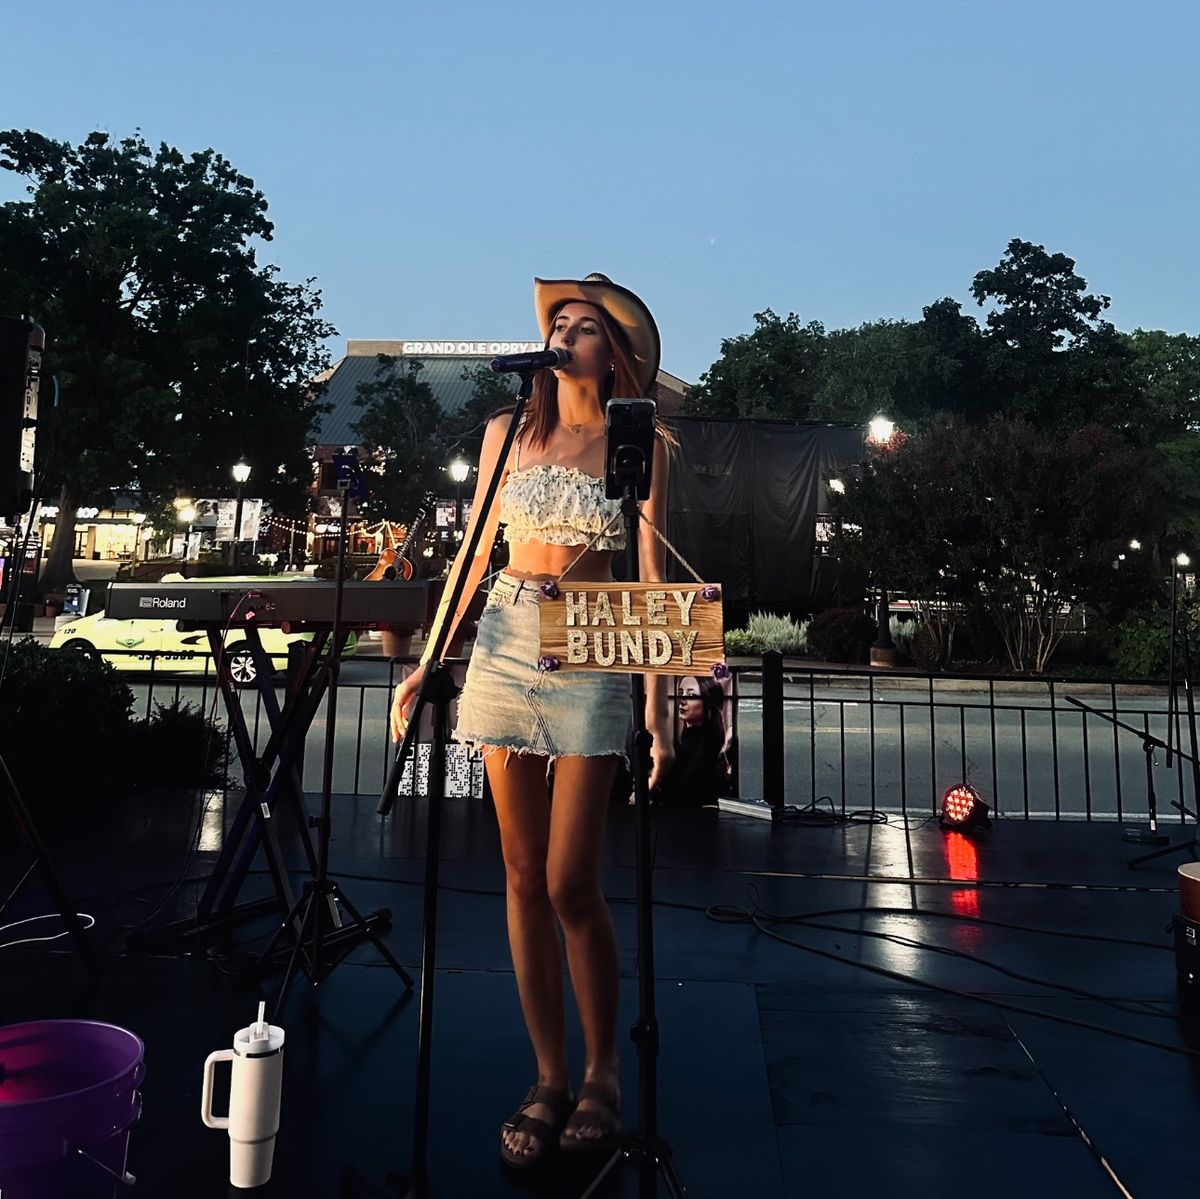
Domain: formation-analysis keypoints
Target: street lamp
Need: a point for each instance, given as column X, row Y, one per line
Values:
column 185, row 516
column 138, row 518
column 1180, row 561
column 241, row 472
column 459, row 470
column 881, row 429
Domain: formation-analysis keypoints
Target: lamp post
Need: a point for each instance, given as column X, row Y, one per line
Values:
column 241, row 472
column 186, row 515
column 139, row 519
column 880, row 432
column 1180, row 560
column 459, row 470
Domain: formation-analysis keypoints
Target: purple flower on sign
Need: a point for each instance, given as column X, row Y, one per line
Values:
column 548, row 663
column 710, row 593
column 720, row 671
column 549, row 589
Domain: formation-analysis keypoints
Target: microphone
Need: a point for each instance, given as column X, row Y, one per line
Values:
column 524, row 363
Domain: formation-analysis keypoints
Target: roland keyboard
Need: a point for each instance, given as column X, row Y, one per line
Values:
column 292, row 605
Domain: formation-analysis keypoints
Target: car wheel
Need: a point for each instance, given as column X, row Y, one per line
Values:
column 85, row 648
column 239, row 666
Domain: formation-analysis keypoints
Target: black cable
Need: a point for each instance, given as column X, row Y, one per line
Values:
column 911, row 980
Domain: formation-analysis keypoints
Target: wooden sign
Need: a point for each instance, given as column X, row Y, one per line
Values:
column 634, row 628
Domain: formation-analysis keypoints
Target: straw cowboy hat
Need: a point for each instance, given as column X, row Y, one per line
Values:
column 625, row 309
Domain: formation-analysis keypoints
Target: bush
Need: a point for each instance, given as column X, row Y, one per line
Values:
column 64, row 727
column 1142, row 643
column 841, row 635
column 903, row 633
column 765, row 633
column 178, row 746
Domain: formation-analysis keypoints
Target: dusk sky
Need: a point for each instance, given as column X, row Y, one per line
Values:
column 844, row 161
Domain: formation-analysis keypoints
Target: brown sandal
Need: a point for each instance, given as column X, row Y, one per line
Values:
column 604, row 1115
column 560, row 1103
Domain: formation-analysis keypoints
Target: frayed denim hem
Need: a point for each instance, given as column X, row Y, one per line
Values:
column 485, row 748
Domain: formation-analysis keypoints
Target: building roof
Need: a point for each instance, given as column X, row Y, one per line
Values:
column 443, row 371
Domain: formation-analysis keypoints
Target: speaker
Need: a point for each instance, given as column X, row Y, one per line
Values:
column 21, row 345
column 1187, row 953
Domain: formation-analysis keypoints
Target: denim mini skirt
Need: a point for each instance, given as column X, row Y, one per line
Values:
column 507, row 702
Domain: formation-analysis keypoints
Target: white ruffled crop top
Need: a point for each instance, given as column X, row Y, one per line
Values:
column 559, row 505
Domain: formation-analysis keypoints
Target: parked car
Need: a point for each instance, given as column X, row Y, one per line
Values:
column 159, row 645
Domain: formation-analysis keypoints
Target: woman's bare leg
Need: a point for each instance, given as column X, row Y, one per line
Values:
column 518, row 783
column 581, row 793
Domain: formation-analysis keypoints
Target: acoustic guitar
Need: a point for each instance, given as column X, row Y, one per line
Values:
column 398, row 556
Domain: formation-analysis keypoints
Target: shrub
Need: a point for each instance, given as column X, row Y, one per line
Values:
column 738, row 642
column 1142, row 642
column 64, row 727
column 841, row 635
column 765, row 633
column 178, row 746
column 903, row 632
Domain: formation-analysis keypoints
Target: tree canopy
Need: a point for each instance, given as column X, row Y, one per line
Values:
column 176, row 351
column 1039, row 441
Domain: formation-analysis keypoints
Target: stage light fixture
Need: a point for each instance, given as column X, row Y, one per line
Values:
column 963, row 808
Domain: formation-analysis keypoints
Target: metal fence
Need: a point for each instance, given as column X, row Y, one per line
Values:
column 847, row 739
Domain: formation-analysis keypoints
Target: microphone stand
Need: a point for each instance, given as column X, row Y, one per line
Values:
column 437, row 690
column 325, row 950
column 646, row 1149
column 1190, row 845
column 1149, row 744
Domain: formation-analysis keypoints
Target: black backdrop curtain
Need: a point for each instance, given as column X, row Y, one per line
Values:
column 744, row 499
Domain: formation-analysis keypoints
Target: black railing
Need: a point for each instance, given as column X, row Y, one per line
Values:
column 847, row 738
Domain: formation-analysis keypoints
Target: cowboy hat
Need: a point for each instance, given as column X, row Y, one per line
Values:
column 622, row 306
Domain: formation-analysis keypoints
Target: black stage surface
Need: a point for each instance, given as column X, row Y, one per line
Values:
column 786, row 1071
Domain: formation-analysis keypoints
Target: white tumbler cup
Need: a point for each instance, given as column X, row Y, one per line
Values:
column 254, row 1093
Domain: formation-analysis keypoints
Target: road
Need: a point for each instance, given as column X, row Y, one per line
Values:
column 832, row 750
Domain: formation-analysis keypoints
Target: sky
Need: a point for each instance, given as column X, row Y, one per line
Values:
column 845, row 161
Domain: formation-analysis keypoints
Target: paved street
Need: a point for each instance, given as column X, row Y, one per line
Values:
column 829, row 738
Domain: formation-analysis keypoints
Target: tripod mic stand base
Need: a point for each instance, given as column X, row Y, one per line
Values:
column 1144, row 836
column 654, row 1156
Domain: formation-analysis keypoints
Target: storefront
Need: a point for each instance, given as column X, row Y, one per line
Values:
column 101, row 534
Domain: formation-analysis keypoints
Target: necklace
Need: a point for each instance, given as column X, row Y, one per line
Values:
column 587, row 424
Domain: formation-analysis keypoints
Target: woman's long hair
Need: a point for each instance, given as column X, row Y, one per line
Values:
column 712, row 696
column 542, row 414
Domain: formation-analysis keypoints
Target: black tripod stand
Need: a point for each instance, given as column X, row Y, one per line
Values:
column 1191, row 844
column 318, row 903
column 438, row 691
column 630, row 433
column 1151, row 835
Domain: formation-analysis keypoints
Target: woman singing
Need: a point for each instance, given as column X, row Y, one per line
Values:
column 555, row 514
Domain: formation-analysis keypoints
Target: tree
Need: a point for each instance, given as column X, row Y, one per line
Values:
column 176, row 352
column 909, row 519
column 1051, row 357
column 403, row 424
column 771, row 373
column 490, row 392
column 1026, row 522
column 1057, row 511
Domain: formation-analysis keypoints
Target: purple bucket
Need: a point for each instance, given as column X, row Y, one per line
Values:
column 68, row 1098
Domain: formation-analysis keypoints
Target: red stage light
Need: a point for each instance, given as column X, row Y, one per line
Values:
column 963, row 808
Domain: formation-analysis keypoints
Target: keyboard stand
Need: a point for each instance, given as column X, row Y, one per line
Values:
column 273, row 786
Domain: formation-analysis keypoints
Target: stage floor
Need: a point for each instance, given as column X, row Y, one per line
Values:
column 786, row 1070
